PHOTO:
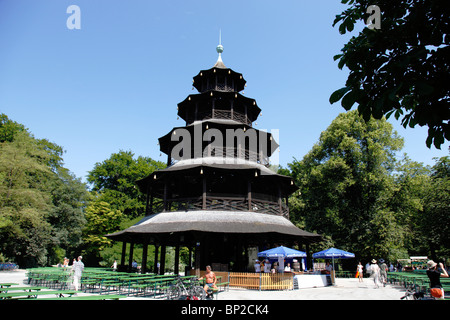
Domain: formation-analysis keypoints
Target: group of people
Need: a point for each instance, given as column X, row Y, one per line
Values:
column 378, row 273
column 77, row 270
column 267, row 267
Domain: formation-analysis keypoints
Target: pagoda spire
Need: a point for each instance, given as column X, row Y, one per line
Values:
column 219, row 49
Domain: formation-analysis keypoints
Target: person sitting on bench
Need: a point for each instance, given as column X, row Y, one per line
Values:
column 210, row 279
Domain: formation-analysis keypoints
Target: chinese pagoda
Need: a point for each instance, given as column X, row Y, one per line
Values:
column 217, row 195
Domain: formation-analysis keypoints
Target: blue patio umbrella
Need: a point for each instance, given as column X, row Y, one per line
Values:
column 332, row 254
column 281, row 252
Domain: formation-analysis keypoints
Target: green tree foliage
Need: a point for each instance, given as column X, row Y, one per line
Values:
column 355, row 192
column 115, row 178
column 24, row 200
column 40, row 201
column 345, row 185
column 403, row 68
column 69, row 198
column 113, row 183
column 101, row 220
column 435, row 221
column 9, row 128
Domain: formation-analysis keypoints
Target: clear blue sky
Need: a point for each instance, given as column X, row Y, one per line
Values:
column 115, row 83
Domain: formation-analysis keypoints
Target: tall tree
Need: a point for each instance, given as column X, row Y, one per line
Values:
column 412, row 182
column 69, row 199
column 101, row 220
column 435, row 220
column 41, row 202
column 345, row 184
column 24, row 200
column 115, row 178
column 402, row 68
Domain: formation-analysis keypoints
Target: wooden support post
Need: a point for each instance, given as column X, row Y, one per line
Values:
column 246, row 116
column 163, row 259
column 144, row 258
column 279, row 200
column 165, row 196
column 151, row 203
column 155, row 267
column 249, row 195
column 232, row 110
column 122, row 258
column 177, row 259
column 130, row 258
column 204, row 193
column 190, row 258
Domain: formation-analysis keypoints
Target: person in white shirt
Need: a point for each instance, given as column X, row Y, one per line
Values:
column 257, row 266
column 375, row 273
column 77, row 268
column 267, row 266
column 287, row 268
column 328, row 268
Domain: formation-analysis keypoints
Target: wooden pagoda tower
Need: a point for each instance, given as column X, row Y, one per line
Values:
column 217, row 195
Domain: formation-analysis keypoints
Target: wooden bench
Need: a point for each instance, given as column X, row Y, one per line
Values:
column 223, row 285
column 93, row 297
column 29, row 288
column 7, row 284
column 31, row 295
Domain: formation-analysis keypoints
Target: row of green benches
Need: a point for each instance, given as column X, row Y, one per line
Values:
column 105, row 281
column 417, row 281
column 8, row 292
column 155, row 286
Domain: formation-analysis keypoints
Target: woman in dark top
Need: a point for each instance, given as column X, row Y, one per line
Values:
column 435, row 274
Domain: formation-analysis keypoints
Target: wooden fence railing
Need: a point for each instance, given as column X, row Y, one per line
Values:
column 257, row 281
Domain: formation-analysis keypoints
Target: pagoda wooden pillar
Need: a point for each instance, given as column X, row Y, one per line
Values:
column 155, row 266
column 122, row 258
column 287, row 206
column 204, row 193
column 280, row 204
column 163, row 259
column 246, row 116
column 144, row 258
column 165, row 196
column 190, row 257
column 151, row 204
column 231, row 109
column 147, row 202
column 249, row 195
column 177, row 259
column 196, row 111
column 130, row 257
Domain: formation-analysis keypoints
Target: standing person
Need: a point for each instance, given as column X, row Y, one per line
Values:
column 287, row 268
column 77, row 268
column 114, row 265
column 257, row 267
column 368, row 268
column 267, row 266
column 383, row 272
column 435, row 274
column 375, row 273
column 210, row 279
column 328, row 268
column 359, row 271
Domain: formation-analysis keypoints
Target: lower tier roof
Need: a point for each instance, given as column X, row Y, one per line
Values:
column 233, row 222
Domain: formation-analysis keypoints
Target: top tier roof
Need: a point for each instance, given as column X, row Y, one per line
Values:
column 219, row 73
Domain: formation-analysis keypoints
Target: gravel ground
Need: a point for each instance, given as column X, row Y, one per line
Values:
column 345, row 289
